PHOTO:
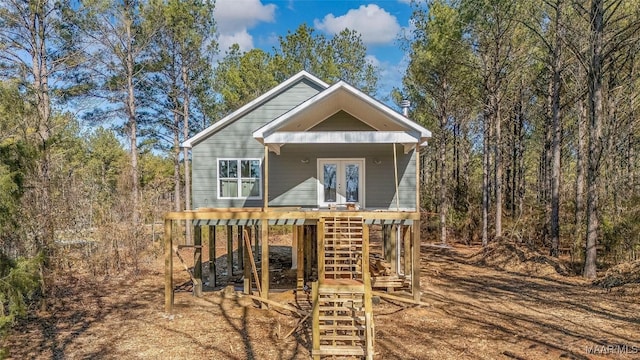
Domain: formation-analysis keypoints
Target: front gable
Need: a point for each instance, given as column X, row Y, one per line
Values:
column 305, row 124
column 342, row 121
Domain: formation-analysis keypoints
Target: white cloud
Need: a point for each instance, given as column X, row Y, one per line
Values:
column 235, row 17
column 242, row 38
column 375, row 24
column 371, row 59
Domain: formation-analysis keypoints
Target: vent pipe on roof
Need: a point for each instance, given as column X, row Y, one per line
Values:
column 404, row 104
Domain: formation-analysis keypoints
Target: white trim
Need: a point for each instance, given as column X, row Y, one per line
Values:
column 341, row 137
column 340, row 162
column 239, row 169
column 252, row 105
column 273, row 126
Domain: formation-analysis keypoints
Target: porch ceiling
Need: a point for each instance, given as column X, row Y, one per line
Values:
column 341, row 137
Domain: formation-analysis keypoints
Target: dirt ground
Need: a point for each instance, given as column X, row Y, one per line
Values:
column 477, row 311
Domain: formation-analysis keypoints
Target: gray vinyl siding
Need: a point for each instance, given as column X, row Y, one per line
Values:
column 294, row 182
column 236, row 141
column 341, row 121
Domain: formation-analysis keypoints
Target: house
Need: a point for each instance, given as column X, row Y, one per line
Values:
column 327, row 159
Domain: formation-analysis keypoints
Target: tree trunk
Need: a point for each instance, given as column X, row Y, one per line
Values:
column 485, row 181
column 580, row 172
column 499, row 166
column 40, row 71
column 176, row 162
column 443, row 177
column 187, row 170
column 132, row 123
column 594, row 82
column 556, row 130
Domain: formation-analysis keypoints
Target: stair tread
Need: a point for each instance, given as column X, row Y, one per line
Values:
column 346, row 350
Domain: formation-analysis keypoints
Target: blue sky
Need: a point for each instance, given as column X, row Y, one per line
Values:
column 258, row 23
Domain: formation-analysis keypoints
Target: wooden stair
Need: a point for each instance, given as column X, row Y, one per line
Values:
column 342, row 310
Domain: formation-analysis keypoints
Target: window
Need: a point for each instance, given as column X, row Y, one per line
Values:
column 239, row 179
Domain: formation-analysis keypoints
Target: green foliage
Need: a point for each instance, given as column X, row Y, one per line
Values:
column 241, row 77
column 19, row 281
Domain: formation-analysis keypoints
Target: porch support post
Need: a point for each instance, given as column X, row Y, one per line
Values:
column 386, row 242
column 393, row 248
column 417, row 152
column 197, row 260
column 294, row 247
column 321, row 274
column 406, row 238
column 299, row 230
column 264, row 224
column 240, row 236
column 308, row 248
column 415, row 260
column 245, row 254
column 229, row 252
column 212, row 256
column 168, row 266
column 266, row 179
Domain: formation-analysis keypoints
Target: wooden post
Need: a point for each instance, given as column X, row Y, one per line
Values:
column 395, row 174
column 294, row 247
column 264, row 224
column 417, row 153
column 229, row 252
column 415, row 260
column 212, row 256
column 168, row 267
column 315, row 332
column 245, row 238
column 308, row 249
column 266, row 178
column 386, row 242
column 365, row 249
column 257, row 241
column 406, row 238
column 321, row 251
column 197, row 260
column 239, row 235
column 300, row 256
column 393, row 249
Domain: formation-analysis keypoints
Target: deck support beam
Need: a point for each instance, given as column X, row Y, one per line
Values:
column 245, row 255
column 264, row 229
column 240, row 238
column 197, row 260
column 415, row 260
column 299, row 231
column 168, row 266
column 406, row 239
column 212, row 256
column 229, row 252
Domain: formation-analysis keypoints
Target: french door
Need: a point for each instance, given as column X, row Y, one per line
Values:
column 340, row 181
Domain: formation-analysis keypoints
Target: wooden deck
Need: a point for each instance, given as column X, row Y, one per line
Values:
column 297, row 217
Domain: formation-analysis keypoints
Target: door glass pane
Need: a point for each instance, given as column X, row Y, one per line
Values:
column 352, row 178
column 330, row 177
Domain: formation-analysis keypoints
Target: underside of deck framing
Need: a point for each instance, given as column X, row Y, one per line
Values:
column 260, row 219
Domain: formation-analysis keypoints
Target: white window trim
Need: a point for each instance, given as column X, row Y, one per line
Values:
column 319, row 182
column 259, row 197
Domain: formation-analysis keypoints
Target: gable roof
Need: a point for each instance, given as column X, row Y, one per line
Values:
column 343, row 96
column 252, row 105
